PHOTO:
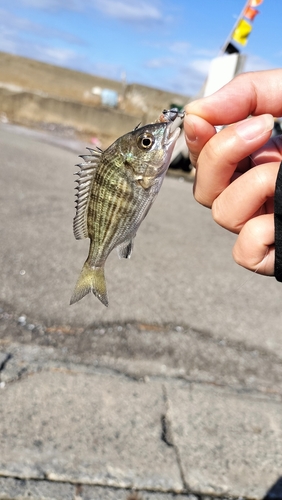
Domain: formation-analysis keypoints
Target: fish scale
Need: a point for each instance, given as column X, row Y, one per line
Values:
column 115, row 190
column 109, row 199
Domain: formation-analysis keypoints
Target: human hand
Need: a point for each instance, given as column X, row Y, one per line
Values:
column 236, row 169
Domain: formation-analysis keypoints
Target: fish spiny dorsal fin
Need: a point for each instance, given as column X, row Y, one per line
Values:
column 84, row 182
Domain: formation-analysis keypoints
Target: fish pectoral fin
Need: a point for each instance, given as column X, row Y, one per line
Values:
column 91, row 279
column 125, row 250
column 146, row 182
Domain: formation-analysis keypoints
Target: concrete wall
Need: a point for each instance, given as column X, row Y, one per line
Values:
column 30, row 107
column 32, row 92
column 148, row 101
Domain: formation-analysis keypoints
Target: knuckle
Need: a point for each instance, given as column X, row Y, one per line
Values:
column 193, row 157
column 220, row 213
column 217, row 212
column 200, row 198
column 237, row 255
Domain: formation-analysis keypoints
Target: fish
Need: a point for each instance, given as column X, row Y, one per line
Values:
column 115, row 191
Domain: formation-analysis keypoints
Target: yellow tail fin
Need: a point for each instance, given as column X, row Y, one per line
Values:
column 91, row 279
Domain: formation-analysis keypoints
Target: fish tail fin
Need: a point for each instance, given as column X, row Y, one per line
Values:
column 91, row 279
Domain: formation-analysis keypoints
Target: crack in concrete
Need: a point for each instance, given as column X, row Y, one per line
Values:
column 7, row 357
column 167, row 437
column 36, row 367
column 78, row 490
column 62, row 356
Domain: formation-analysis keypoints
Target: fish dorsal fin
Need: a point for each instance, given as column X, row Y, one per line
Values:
column 84, row 182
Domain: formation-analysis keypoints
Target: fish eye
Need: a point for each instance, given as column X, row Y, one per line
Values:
column 145, row 141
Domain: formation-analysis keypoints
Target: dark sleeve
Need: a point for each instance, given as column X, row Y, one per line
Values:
column 278, row 225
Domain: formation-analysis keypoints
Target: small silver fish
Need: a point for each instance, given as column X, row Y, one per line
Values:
column 116, row 189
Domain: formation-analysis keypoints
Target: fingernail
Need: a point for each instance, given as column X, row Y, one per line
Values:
column 255, row 127
column 190, row 129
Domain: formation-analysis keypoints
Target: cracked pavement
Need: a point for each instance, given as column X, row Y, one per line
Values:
column 174, row 392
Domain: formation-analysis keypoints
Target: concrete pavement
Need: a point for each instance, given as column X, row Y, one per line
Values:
column 174, row 391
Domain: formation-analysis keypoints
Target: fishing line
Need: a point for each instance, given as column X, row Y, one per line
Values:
column 250, row 277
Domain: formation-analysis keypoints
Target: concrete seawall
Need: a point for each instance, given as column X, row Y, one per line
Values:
column 34, row 107
column 34, row 93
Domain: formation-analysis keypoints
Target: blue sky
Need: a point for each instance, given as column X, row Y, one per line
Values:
column 161, row 43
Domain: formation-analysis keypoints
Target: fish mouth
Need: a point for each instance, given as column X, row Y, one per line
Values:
column 172, row 115
column 173, row 131
column 178, row 119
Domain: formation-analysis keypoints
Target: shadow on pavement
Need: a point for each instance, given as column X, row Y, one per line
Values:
column 275, row 492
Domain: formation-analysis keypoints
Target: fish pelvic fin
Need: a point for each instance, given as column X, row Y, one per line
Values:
column 91, row 279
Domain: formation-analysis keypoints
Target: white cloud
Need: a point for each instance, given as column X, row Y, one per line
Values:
column 193, row 74
column 7, row 42
column 180, row 48
column 162, row 62
column 128, row 10
column 51, row 4
column 207, row 53
column 256, row 63
column 201, row 66
column 29, row 39
column 56, row 55
column 189, row 78
column 187, row 72
column 53, row 55
column 19, row 26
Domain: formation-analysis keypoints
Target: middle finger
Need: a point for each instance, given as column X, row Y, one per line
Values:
column 220, row 156
column 246, row 197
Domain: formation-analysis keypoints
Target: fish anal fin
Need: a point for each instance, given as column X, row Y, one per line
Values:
column 91, row 279
column 125, row 250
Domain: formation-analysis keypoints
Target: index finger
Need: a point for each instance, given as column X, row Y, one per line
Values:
column 247, row 94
